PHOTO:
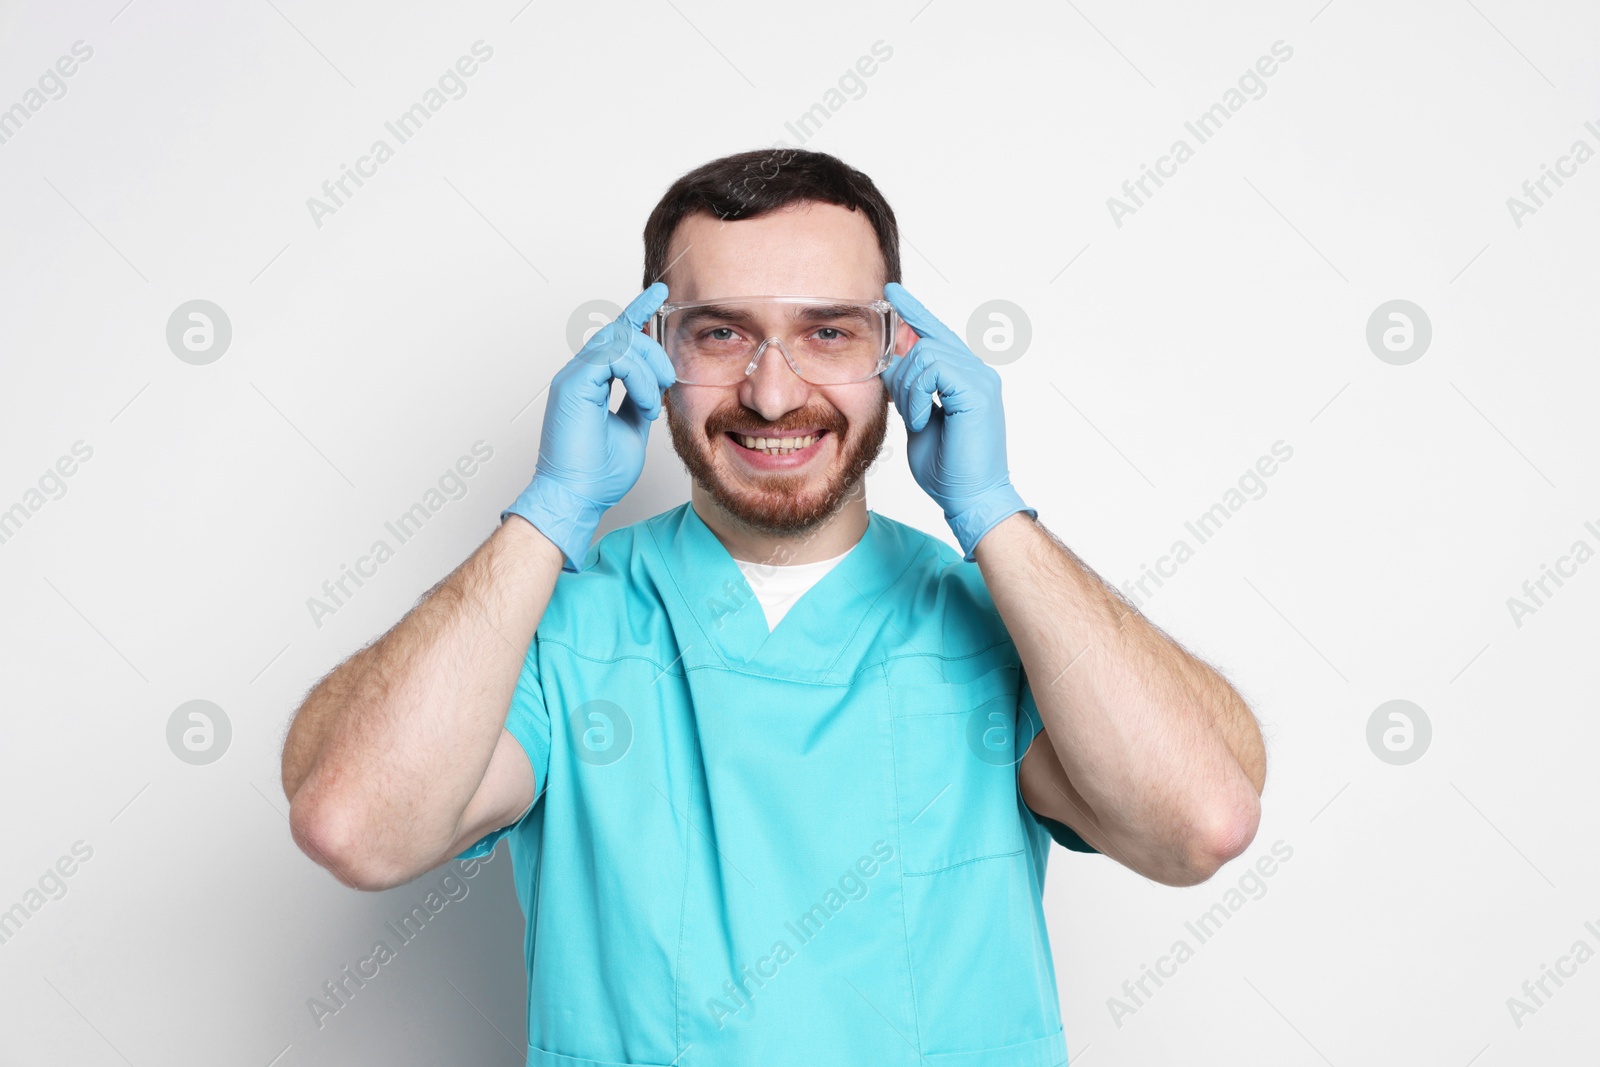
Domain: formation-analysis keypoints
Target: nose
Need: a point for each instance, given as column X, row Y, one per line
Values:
column 773, row 388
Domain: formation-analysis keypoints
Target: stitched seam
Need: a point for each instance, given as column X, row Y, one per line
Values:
column 905, row 919
column 872, row 605
column 683, row 908
column 964, row 863
column 574, row 650
column 948, row 659
column 672, row 576
column 683, row 672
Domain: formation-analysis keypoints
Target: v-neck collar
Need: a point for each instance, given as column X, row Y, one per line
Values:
column 811, row 640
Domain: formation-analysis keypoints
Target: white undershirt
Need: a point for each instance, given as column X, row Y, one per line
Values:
column 777, row 587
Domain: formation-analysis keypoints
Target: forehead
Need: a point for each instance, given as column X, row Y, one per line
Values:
column 805, row 249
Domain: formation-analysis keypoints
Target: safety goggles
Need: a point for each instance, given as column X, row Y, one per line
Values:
column 825, row 341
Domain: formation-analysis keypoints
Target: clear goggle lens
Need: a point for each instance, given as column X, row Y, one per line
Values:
column 825, row 341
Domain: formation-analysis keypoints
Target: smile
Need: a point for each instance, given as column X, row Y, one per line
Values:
column 775, row 446
column 772, row 452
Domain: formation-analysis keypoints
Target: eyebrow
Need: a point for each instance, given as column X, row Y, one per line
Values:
column 806, row 312
column 818, row 312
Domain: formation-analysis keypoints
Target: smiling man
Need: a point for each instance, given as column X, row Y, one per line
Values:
column 779, row 773
column 760, row 499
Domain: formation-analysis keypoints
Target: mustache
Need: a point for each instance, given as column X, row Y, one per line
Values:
column 738, row 422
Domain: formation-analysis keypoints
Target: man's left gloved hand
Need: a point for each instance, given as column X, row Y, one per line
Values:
column 957, row 451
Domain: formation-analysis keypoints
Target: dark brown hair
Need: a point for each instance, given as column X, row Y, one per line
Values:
column 750, row 184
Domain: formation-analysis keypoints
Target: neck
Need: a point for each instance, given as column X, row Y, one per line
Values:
column 835, row 535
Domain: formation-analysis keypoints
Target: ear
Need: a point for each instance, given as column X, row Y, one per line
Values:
column 904, row 338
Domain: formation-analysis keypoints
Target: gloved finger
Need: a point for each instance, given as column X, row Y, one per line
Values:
column 920, row 318
column 643, row 306
column 905, row 367
column 622, row 334
column 598, row 362
column 641, row 383
column 919, row 378
column 895, row 377
column 593, row 370
column 584, row 380
column 919, row 394
column 655, row 358
column 633, row 417
column 923, row 447
column 900, row 390
column 963, row 381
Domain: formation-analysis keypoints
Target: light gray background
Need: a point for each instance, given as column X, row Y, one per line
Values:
column 1167, row 354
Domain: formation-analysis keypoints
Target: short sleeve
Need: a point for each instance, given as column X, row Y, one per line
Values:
column 1029, row 723
column 528, row 721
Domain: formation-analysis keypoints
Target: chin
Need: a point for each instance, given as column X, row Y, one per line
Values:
column 802, row 503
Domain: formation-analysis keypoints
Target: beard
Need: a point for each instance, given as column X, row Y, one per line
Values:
column 778, row 502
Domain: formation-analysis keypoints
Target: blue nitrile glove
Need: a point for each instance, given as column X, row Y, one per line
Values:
column 589, row 455
column 957, row 452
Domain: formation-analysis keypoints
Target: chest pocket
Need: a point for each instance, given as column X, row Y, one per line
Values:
column 955, row 770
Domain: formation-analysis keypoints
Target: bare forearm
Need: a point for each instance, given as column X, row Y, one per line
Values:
column 387, row 750
column 1158, row 746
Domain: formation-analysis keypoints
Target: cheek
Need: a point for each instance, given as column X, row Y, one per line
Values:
column 691, row 412
column 860, row 406
column 680, row 405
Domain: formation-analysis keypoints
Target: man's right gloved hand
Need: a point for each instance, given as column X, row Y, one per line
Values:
column 590, row 456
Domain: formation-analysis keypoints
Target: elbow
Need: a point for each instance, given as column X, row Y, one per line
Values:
column 334, row 840
column 1221, row 836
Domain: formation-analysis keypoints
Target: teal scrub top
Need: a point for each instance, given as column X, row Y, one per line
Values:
column 804, row 847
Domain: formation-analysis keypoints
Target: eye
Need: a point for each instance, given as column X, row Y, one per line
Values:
column 720, row 333
column 824, row 332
